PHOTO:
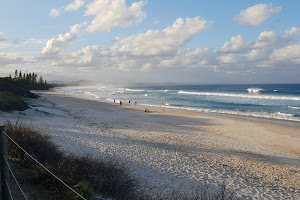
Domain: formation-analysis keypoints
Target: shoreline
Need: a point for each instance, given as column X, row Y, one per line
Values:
column 247, row 116
column 176, row 149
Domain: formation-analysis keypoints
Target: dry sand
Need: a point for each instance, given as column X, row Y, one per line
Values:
column 175, row 149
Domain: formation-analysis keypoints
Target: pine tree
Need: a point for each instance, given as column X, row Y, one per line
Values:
column 20, row 74
column 24, row 76
column 16, row 73
column 41, row 79
column 32, row 78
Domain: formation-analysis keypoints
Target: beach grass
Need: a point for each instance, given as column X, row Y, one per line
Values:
column 90, row 177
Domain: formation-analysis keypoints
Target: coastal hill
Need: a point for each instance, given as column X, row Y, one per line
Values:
column 14, row 90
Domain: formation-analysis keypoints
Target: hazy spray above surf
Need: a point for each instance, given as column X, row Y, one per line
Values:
column 266, row 101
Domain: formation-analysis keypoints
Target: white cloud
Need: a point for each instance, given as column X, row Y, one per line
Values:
column 2, row 37
column 113, row 13
column 54, row 12
column 256, row 14
column 77, row 27
column 258, row 54
column 270, row 38
column 265, row 51
column 56, row 47
column 155, row 49
column 74, row 5
column 197, row 57
column 235, row 45
column 167, row 41
column 7, row 60
column 292, row 32
column 142, row 51
column 267, row 38
column 286, row 53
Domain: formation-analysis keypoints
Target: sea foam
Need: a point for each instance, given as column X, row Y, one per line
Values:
column 254, row 90
column 255, row 96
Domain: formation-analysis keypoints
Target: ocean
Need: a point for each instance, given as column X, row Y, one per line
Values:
column 265, row 101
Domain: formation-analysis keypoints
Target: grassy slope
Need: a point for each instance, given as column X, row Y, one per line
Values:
column 12, row 92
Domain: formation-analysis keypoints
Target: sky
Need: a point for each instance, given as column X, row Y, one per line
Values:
column 152, row 41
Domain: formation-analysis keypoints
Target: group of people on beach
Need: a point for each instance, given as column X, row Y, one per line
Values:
column 121, row 103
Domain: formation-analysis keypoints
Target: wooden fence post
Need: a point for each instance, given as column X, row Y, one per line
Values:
column 5, row 181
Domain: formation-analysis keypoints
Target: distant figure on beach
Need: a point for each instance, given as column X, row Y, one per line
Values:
column 135, row 103
column 120, row 103
column 114, row 101
column 129, row 101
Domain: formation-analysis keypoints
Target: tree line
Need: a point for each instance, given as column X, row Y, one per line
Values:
column 30, row 77
column 31, row 80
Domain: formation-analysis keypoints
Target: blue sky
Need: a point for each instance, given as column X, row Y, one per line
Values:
column 193, row 41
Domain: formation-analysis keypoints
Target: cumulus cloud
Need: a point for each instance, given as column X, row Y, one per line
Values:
column 256, row 14
column 197, row 57
column 112, row 13
column 77, row 27
column 269, row 49
column 74, row 5
column 166, row 48
column 54, row 12
column 167, row 41
column 56, row 47
column 286, row 53
column 236, row 44
column 142, row 51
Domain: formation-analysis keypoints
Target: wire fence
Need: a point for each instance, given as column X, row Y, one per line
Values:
column 6, row 182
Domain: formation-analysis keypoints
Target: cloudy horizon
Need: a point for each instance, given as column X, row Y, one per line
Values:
column 152, row 42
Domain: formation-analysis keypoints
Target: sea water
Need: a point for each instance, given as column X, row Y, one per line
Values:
column 281, row 101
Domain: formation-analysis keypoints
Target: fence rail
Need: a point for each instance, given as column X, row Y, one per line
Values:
column 5, row 168
column 5, row 180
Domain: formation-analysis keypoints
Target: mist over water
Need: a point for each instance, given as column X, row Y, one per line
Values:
column 265, row 101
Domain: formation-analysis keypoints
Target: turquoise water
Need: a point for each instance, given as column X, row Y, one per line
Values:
column 265, row 101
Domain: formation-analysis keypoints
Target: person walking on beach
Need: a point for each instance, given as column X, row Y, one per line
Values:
column 120, row 103
column 135, row 103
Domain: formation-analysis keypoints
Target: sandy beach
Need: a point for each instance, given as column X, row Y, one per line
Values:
column 168, row 149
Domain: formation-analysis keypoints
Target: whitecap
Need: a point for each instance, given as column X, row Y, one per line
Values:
column 253, row 96
column 254, row 90
column 133, row 90
column 294, row 107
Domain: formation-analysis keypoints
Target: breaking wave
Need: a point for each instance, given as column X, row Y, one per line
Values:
column 267, row 115
column 134, row 90
column 254, row 90
column 241, row 95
